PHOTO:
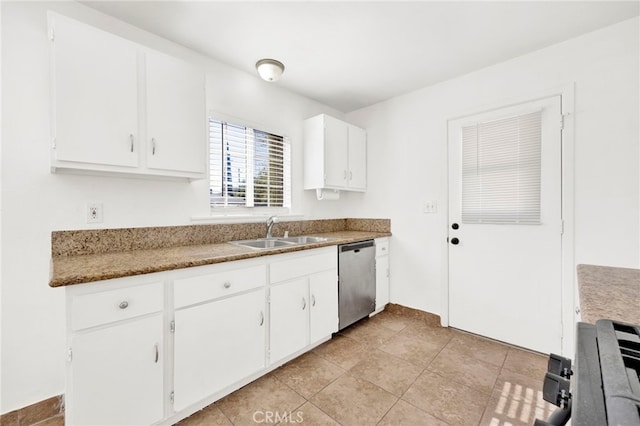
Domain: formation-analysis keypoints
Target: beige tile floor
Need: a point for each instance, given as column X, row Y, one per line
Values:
column 393, row 369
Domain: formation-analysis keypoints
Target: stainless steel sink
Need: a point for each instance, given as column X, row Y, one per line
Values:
column 276, row 242
column 304, row 239
column 263, row 243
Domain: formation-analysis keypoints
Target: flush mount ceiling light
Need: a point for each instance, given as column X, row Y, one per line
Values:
column 269, row 69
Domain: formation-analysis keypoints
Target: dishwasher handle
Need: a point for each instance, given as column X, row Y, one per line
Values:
column 356, row 246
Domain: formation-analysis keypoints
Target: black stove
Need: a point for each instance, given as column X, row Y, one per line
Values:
column 604, row 388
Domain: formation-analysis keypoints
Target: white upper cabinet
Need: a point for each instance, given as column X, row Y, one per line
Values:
column 95, row 91
column 119, row 107
column 175, row 114
column 357, row 158
column 335, row 155
column 336, row 141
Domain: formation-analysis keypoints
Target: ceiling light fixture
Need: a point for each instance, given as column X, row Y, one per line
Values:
column 269, row 69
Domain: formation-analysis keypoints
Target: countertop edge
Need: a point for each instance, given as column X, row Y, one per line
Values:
column 57, row 279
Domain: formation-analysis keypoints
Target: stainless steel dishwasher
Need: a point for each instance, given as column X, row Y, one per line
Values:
column 356, row 281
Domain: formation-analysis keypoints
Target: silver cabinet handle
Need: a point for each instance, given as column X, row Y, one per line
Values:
column 227, row 284
column 157, row 356
column 304, row 303
column 261, row 318
column 313, row 300
column 577, row 310
column 350, row 175
column 123, row 305
column 131, row 139
column 153, row 146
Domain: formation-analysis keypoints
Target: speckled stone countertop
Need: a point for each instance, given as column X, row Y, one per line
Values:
column 610, row 293
column 94, row 255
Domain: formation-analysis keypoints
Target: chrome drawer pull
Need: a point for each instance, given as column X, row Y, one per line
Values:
column 157, row 354
column 313, row 300
column 227, row 284
column 261, row 318
column 304, row 303
column 123, row 305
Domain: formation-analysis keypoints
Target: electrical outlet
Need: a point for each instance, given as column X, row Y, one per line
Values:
column 94, row 213
column 430, row 207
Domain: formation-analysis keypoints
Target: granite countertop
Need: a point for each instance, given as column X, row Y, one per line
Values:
column 610, row 293
column 68, row 270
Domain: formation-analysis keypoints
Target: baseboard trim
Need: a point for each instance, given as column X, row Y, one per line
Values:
column 427, row 317
column 34, row 413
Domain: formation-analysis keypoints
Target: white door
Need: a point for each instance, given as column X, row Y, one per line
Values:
column 505, row 225
column 218, row 344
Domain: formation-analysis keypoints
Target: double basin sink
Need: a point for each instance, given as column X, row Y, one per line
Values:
column 279, row 242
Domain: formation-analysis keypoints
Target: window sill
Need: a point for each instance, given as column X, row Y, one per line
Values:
column 244, row 217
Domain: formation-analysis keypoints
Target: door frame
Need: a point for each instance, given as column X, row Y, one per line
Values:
column 568, row 275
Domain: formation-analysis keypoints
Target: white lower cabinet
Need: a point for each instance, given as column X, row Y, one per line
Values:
column 155, row 348
column 116, row 366
column 217, row 344
column 304, row 306
column 382, row 273
column 289, row 326
column 323, row 295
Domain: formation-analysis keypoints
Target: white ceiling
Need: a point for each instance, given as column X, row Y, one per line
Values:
column 353, row 54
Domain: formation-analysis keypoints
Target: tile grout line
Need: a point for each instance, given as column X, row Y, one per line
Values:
column 309, row 400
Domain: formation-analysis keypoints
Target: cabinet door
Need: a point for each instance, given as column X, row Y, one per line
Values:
column 116, row 374
column 357, row 158
column 335, row 153
column 289, row 318
column 176, row 115
column 95, row 94
column 216, row 345
column 382, row 281
column 323, row 295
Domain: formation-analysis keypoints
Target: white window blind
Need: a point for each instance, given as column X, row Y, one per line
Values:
column 501, row 170
column 248, row 167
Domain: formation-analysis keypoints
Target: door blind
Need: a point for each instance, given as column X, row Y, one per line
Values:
column 248, row 167
column 501, row 170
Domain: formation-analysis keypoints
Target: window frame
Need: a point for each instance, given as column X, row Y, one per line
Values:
column 243, row 210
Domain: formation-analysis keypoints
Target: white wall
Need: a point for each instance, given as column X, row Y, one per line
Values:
column 408, row 156
column 35, row 202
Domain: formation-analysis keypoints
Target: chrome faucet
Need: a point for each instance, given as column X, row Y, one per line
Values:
column 270, row 222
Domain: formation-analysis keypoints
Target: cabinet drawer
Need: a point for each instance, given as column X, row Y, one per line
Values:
column 298, row 266
column 89, row 310
column 188, row 291
column 382, row 247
